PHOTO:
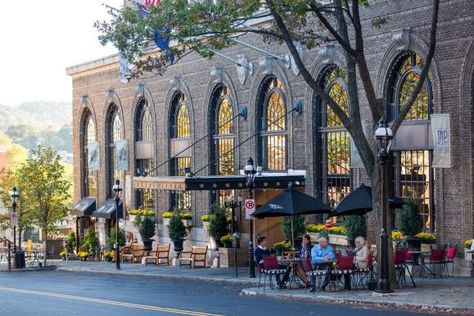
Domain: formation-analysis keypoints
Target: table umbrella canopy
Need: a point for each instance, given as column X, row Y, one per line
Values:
column 291, row 203
column 359, row 202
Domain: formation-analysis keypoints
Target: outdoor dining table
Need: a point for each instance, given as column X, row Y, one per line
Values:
column 419, row 260
column 329, row 266
column 292, row 263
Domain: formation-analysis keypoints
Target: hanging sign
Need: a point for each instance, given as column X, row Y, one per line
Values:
column 93, row 161
column 121, row 152
column 249, row 208
column 441, row 130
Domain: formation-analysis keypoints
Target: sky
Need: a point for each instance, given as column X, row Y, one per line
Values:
column 39, row 39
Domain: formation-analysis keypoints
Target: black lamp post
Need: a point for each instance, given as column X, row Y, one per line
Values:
column 14, row 195
column 250, row 172
column 117, row 189
column 384, row 135
column 232, row 204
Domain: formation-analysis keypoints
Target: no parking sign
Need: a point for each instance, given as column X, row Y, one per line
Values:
column 249, row 208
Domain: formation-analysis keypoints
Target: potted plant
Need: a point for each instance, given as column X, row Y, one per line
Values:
column 299, row 229
column 108, row 256
column 90, row 243
column 467, row 248
column 226, row 240
column 410, row 223
column 205, row 221
column 427, row 240
column 356, row 226
column 146, row 227
column 281, row 246
column 83, row 255
column 218, row 225
column 314, row 231
column 177, row 232
column 338, row 235
column 166, row 218
column 187, row 219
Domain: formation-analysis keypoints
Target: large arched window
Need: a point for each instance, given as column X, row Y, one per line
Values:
column 413, row 175
column 88, row 136
column 144, row 148
column 114, row 133
column 273, row 124
column 222, row 140
column 180, row 136
column 333, row 141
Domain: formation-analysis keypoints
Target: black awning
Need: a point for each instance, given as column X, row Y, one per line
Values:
column 85, row 207
column 206, row 183
column 107, row 210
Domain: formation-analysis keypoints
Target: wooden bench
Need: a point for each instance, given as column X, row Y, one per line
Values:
column 136, row 254
column 162, row 252
column 196, row 255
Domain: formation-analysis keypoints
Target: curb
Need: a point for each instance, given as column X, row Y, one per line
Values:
column 365, row 303
column 165, row 276
column 31, row 269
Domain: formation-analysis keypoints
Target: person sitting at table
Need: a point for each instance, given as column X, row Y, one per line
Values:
column 321, row 255
column 361, row 253
column 262, row 251
column 306, row 247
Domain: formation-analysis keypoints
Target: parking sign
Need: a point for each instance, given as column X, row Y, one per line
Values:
column 249, row 208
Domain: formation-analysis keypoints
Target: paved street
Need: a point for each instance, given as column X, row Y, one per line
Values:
column 59, row 293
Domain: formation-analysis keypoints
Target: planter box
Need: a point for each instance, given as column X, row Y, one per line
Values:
column 132, row 218
column 314, row 236
column 338, row 240
column 427, row 247
column 205, row 225
column 166, row 221
column 187, row 222
column 467, row 255
column 226, row 257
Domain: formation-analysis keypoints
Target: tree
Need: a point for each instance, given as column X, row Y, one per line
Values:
column 204, row 26
column 44, row 190
column 356, row 226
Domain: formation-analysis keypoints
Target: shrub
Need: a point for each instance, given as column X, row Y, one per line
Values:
column 356, row 226
column 146, row 226
column 90, row 243
column 71, row 241
column 410, row 222
column 218, row 225
column 108, row 256
column 468, row 243
column 315, row 228
column 206, row 218
column 167, row 215
column 298, row 226
column 176, row 228
column 111, row 239
column 427, row 238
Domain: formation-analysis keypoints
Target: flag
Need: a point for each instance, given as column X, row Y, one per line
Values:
column 441, row 132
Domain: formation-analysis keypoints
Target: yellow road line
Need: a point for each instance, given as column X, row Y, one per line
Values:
column 109, row 302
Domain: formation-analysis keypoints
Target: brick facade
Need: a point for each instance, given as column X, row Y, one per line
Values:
column 451, row 75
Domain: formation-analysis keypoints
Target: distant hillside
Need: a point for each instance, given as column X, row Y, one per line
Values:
column 40, row 115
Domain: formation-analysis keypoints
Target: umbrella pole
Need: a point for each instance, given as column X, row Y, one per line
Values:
column 292, row 235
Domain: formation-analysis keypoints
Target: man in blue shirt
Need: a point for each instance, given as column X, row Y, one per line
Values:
column 321, row 254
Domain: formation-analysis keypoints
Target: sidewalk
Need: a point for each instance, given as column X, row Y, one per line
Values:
column 447, row 295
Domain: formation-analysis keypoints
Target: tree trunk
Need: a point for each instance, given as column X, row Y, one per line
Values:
column 45, row 247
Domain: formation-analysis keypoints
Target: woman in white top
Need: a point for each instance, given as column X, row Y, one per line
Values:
column 361, row 253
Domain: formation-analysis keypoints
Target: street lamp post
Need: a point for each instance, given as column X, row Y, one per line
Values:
column 232, row 204
column 14, row 195
column 117, row 189
column 250, row 172
column 384, row 135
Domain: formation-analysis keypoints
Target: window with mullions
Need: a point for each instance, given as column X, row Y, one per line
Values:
column 222, row 140
column 181, row 128
column 333, row 141
column 405, row 76
column 90, row 177
column 143, row 123
column 273, row 140
column 114, row 133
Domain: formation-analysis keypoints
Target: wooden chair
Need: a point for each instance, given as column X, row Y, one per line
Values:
column 162, row 252
column 197, row 254
column 125, row 254
column 136, row 254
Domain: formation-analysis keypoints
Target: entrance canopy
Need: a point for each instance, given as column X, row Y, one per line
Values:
column 85, row 207
column 206, row 183
column 107, row 210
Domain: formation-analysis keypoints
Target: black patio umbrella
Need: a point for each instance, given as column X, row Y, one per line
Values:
column 359, row 202
column 292, row 203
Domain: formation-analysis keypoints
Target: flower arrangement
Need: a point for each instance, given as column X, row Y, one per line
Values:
column 338, row 230
column 142, row 212
column 396, row 235
column 167, row 215
column 426, row 238
column 83, row 254
column 206, row 218
column 315, row 228
column 227, row 240
column 281, row 246
column 186, row 215
column 468, row 243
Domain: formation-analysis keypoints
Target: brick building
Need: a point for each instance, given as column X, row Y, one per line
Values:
column 159, row 115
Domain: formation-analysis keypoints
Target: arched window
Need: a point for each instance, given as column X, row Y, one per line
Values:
column 144, row 138
column 114, row 133
column 89, row 136
column 333, row 141
column 413, row 176
column 273, row 140
column 222, row 140
column 180, row 131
